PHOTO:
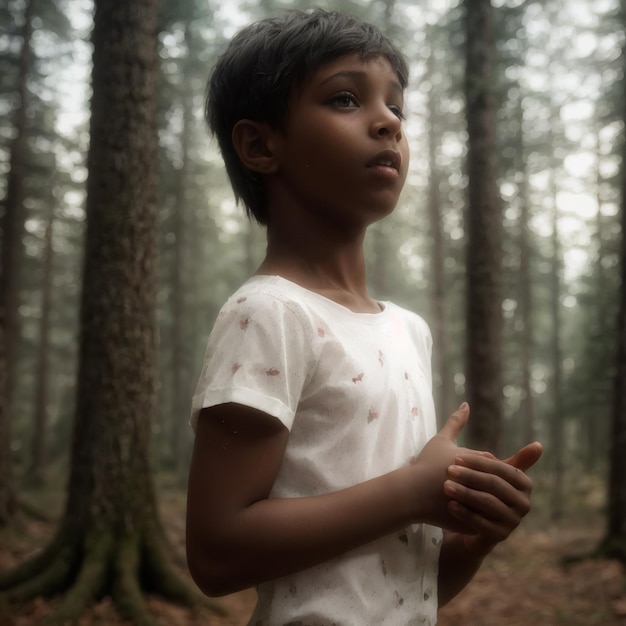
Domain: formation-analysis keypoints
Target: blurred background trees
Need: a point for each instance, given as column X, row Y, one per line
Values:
column 556, row 85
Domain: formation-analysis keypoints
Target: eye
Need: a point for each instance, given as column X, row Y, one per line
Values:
column 397, row 111
column 344, row 100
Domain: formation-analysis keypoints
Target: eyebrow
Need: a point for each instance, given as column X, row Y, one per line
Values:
column 358, row 75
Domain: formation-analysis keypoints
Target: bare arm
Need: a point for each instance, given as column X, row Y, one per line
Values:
column 238, row 537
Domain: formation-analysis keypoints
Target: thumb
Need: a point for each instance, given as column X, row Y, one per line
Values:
column 526, row 457
column 454, row 424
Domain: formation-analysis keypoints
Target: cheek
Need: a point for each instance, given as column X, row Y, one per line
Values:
column 325, row 155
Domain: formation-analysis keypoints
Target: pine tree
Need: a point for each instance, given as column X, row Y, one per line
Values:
column 110, row 539
column 484, row 233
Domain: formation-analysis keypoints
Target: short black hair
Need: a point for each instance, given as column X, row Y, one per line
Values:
column 255, row 77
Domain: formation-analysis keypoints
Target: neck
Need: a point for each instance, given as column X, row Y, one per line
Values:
column 331, row 263
column 321, row 261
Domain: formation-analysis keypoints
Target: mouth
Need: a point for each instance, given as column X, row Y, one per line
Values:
column 388, row 159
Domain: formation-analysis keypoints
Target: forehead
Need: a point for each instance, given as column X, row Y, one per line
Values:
column 355, row 67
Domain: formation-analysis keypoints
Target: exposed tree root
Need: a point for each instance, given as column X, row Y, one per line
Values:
column 90, row 581
column 86, row 569
column 31, row 568
column 127, row 594
column 47, row 576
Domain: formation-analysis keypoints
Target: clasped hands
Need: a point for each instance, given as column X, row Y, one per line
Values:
column 484, row 498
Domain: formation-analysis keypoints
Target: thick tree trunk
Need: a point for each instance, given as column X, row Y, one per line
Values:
column 110, row 540
column 483, row 227
column 117, row 366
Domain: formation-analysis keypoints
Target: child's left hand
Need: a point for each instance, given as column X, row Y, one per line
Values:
column 490, row 495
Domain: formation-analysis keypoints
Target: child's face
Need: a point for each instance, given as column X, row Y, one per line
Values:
column 344, row 153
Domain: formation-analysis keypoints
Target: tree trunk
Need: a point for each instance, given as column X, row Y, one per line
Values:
column 110, row 539
column 595, row 431
column 527, row 412
column 40, row 422
column 12, row 226
column 483, row 228
column 557, row 432
column 443, row 395
column 13, row 218
column 8, row 504
column 615, row 541
column 617, row 472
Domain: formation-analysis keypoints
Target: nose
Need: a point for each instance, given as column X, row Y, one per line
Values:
column 387, row 123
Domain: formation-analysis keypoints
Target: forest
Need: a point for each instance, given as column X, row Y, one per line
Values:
column 120, row 239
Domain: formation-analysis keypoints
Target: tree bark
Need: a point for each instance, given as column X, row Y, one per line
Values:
column 117, row 374
column 110, row 539
column 12, row 226
column 483, row 229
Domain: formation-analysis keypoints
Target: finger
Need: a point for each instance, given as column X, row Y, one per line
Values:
column 454, row 424
column 472, row 467
column 526, row 457
column 505, row 511
column 490, row 531
column 478, row 489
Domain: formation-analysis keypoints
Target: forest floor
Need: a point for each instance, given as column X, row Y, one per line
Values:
column 522, row 583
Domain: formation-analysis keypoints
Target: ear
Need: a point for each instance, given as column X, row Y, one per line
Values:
column 252, row 142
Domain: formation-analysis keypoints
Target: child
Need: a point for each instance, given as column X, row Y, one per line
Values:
column 317, row 473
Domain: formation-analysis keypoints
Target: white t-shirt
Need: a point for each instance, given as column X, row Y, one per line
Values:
column 355, row 392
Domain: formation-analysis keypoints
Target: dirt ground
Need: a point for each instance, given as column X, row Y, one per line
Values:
column 522, row 583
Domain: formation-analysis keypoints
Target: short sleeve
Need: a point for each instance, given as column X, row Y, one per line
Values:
column 258, row 355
